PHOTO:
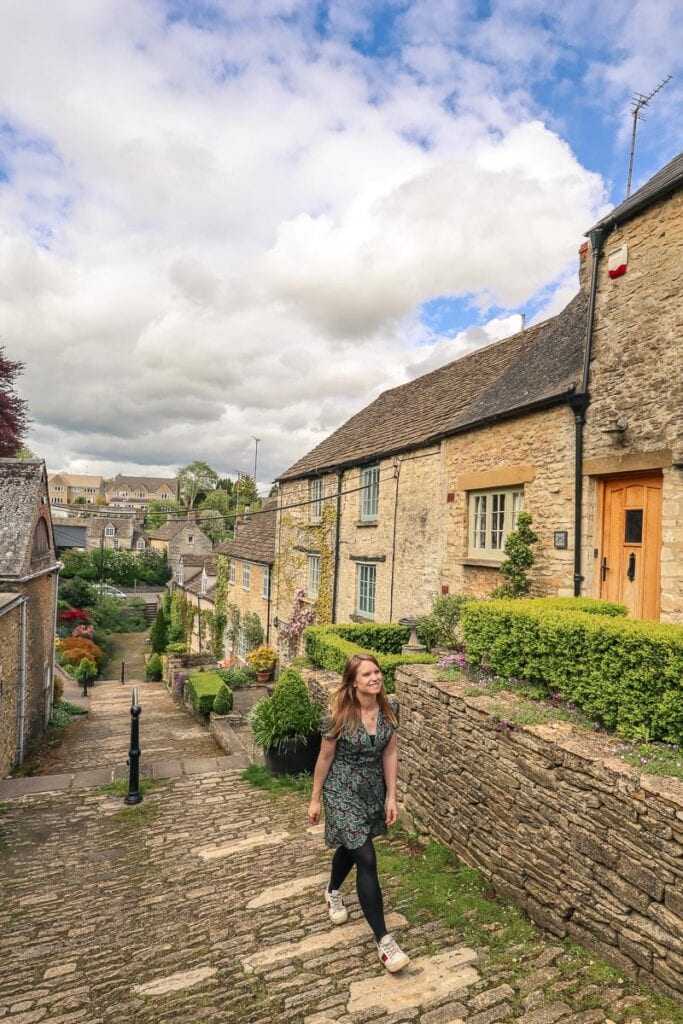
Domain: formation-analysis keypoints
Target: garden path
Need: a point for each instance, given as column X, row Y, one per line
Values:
column 204, row 904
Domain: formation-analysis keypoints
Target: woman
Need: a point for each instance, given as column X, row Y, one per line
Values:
column 356, row 775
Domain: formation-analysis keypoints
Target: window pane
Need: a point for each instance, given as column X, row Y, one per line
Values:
column 266, row 581
column 479, row 532
column 315, row 491
column 366, row 589
column 370, row 492
column 497, row 521
column 313, row 575
column 633, row 534
column 517, row 507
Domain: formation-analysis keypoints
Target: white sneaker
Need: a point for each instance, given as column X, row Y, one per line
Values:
column 391, row 954
column 335, row 906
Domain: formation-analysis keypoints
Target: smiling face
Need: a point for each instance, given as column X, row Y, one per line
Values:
column 368, row 680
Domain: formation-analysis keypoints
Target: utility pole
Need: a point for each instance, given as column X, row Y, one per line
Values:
column 637, row 103
column 256, row 441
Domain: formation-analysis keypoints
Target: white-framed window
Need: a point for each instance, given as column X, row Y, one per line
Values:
column 265, row 591
column 315, row 494
column 242, row 645
column 492, row 516
column 141, row 494
column 180, row 574
column 109, row 531
column 115, row 543
column 141, row 545
column 246, row 575
column 313, row 576
column 190, row 538
column 233, row 575
column 369, row 496
column 366, row 586
column 204, row 582
column 122, row 494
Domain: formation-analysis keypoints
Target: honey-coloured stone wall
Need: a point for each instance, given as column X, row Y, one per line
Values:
column 588, row 846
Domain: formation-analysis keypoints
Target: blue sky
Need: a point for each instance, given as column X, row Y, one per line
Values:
column 236, row 219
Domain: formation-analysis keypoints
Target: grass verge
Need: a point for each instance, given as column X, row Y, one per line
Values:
column 120, row 787
column 259, row 776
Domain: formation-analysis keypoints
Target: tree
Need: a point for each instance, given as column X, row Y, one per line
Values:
column 520, row 559
column 157, row 512
column 195, row 479
column 13, row 409
column 214, row 516
column 159, row 632
column 78, row 593
column 245, row 490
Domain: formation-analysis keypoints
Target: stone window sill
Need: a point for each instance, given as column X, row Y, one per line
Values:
column 480, row 563
column 365, row 523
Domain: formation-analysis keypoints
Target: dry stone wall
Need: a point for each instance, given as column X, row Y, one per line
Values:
column 586, row 845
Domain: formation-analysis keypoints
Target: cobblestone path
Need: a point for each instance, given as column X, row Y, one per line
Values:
column 205, row 904
column 102, row 740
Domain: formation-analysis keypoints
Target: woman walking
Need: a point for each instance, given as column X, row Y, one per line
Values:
column 356, row 775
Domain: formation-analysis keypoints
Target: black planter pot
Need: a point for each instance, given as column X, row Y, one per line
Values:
column 292, row 756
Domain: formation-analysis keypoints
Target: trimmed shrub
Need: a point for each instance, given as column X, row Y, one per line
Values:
column 331, row 646
column 222, row 704
column 202, row 689
column 625, row 673
column 86, row 671
column 153, row 668
column 440, row 627
column 289, row 713
column 159, row 632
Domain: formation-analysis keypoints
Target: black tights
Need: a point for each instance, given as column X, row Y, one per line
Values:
column 367, row 882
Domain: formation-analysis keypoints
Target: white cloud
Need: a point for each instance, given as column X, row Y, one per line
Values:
column 225, row 228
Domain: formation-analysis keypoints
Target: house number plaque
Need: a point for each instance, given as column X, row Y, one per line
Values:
column 561, row 539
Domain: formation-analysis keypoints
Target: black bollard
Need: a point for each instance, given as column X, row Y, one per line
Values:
column 123, row 671
column 84, row 684
column 134, row 795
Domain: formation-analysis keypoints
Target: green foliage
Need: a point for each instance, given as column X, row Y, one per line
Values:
column 86, row 671
column 63, row 713
column 180, row 618
column 257, row 775
column 233, row 627
column 178, row 647
column 109, row 615
column 252, row 630
column 262, row 658
column 519, row 559
column 222, row 704
column 624, row 673
column 153, row 668
column 159, row 632
column 331, row 646
column 215, row 516
column 122, row 568
column 77, row 592
column 202, row 689
column 79, row 564
column 157, row 512
column 195, row 479
column 166, row 604
column 440, row 627
column 237, row 676
column 289, row 713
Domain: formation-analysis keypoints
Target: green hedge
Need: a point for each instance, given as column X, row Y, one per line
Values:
column 331, row 647
column 202, row 688
column 626, row 673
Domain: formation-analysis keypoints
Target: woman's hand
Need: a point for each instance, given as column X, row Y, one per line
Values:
column 391, row 808
column 314, row 812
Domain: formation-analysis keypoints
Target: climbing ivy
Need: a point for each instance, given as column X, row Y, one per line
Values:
column 323, row 532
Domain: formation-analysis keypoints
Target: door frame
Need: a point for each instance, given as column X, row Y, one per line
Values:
column 599, row 522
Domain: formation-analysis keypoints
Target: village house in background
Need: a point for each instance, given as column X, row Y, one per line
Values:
column 117, row 532
column 178, row 537
column 28, row 606
column 75, row 488
column 252, row 553
column 414, row 496
column 196, row 576
column 138, row 491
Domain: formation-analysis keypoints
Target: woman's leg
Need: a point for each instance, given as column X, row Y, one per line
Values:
column 342, row 862
column 368, row 888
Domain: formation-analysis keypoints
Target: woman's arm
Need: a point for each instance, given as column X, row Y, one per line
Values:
column 322, row 767
column 390, row 767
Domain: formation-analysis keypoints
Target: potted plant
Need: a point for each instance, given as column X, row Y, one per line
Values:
column 262, row 659
column 286, row 724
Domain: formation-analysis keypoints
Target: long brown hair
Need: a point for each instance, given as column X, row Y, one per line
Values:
column 345, row 709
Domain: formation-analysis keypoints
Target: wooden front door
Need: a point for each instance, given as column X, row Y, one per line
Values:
column 631, row 543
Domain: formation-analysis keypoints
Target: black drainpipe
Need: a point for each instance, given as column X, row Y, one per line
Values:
column 337, row 532
column 579, row 404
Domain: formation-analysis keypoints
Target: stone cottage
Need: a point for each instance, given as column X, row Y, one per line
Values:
column 29, row 573
column 577, row 420
column 251, row 553
column 180, row 537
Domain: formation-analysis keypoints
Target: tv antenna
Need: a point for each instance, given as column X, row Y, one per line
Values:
column 637, row 103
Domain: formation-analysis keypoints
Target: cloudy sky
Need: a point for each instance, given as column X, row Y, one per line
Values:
column 224, row 219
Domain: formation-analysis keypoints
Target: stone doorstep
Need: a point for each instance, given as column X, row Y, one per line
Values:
column 12, row 789
column 267, row 957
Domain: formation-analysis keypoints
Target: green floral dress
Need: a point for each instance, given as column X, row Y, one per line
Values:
column 354, row 790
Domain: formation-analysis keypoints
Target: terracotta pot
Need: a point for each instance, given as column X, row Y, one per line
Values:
column 263, row 677
column 292, row 756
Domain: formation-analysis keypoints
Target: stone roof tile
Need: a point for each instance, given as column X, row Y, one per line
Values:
column 255, row 539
